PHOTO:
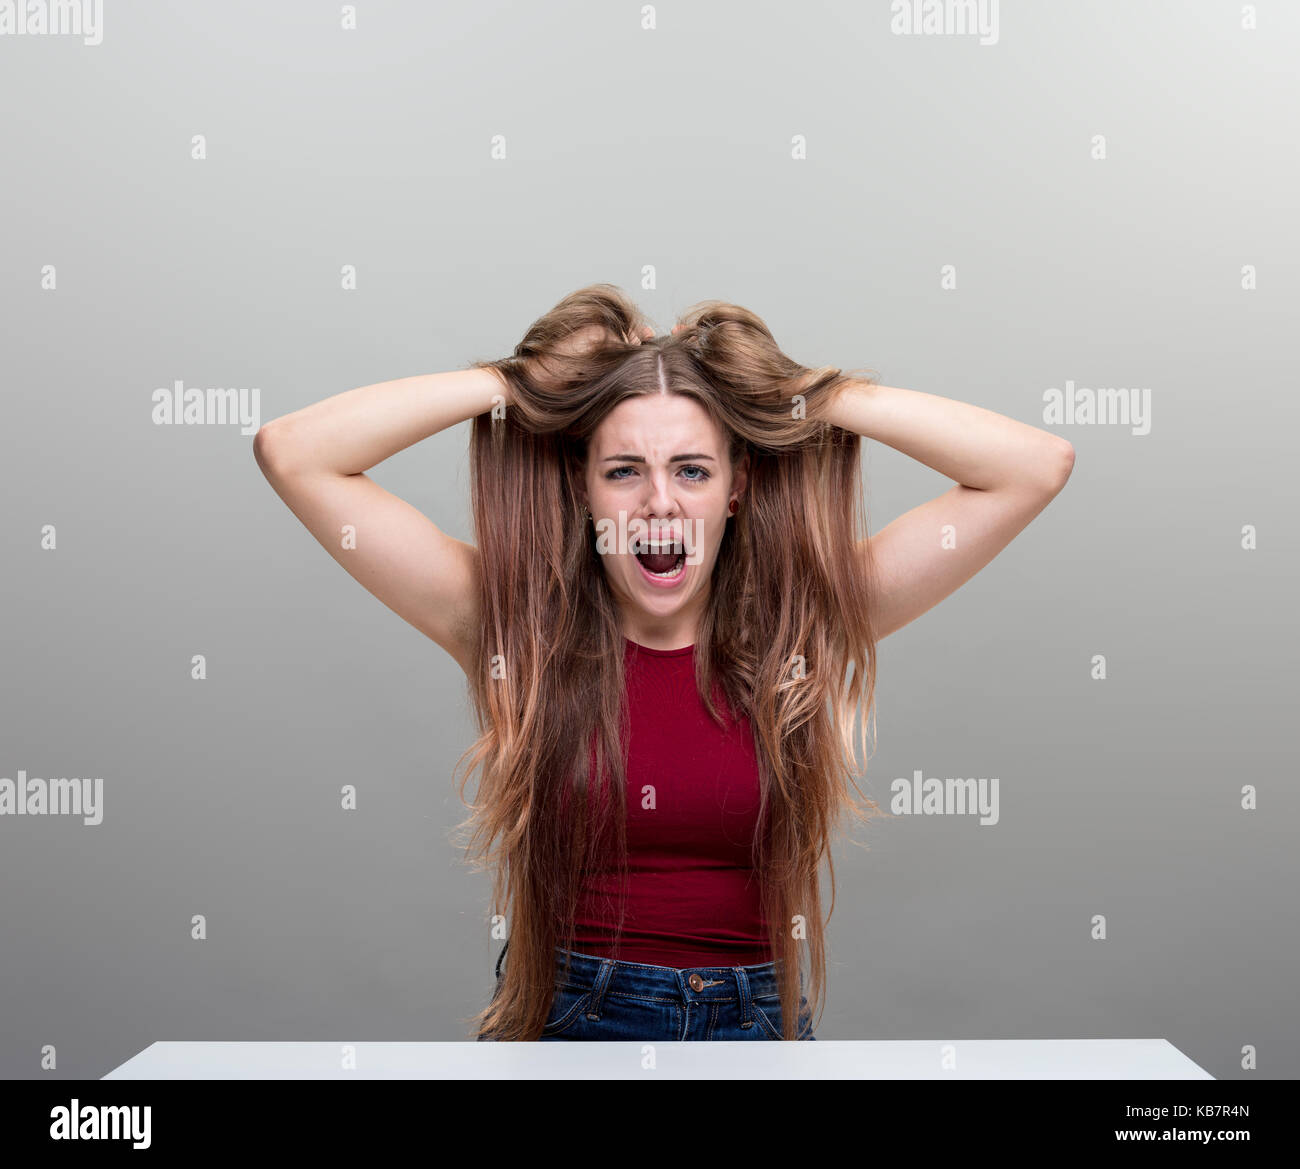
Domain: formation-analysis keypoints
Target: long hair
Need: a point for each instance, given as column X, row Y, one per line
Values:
column 786, row 637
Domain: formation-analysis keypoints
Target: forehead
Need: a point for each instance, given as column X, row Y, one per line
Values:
column 657, row 426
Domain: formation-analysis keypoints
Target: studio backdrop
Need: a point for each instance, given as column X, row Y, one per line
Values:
column 1080, row 215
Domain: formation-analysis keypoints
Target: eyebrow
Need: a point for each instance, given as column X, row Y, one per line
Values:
column 641, row 459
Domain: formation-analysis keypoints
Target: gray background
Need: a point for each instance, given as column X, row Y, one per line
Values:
column 629, row 148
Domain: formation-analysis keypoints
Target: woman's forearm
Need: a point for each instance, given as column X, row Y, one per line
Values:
column 355, row 430
column 970, row 445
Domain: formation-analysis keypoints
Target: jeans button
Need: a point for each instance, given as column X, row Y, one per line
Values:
column 697, row 983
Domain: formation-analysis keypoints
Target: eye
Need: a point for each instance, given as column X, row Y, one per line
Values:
column 703, row 473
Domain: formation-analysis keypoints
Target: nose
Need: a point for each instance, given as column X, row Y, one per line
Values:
column 660, row 502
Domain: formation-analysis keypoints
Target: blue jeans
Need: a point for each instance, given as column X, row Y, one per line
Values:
column 600, row 998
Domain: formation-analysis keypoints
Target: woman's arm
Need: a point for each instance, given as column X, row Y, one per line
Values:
column 1006, row 473
column 315, row 459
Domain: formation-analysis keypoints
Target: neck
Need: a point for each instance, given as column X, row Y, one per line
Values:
column 676, row 632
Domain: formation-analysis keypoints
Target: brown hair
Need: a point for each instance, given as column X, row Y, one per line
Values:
column 786, row 634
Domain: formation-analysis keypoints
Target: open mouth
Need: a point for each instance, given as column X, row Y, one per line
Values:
column 660, row 558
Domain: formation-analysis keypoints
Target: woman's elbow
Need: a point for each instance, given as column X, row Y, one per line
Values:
column 273, row 448
column 1060, row 465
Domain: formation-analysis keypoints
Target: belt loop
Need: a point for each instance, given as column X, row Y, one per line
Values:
column 746, row 1001
column 603, row 976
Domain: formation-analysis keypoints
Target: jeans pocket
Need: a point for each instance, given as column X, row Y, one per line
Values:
column 566, row 1008
column 767, row 1011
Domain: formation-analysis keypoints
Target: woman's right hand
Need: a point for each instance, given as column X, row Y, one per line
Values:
column 550, row 375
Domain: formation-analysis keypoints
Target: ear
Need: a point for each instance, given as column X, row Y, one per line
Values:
column 740, row 477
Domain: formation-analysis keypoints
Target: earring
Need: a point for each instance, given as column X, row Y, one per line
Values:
column 731, row 508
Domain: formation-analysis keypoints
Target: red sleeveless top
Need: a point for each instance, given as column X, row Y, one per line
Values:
column 692, row 808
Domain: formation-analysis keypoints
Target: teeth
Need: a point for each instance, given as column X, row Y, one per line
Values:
column 659, row 546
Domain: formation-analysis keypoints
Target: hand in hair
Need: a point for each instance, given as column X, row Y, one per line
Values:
column 548, row 373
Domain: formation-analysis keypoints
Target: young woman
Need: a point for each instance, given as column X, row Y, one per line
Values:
column 669, row 624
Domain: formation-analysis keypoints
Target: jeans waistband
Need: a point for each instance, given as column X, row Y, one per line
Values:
column 690, row 983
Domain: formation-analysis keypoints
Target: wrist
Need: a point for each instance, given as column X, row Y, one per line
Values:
column 493, row 386
column 834, row 410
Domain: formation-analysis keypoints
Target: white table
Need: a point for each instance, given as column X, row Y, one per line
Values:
column 994, row 1059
